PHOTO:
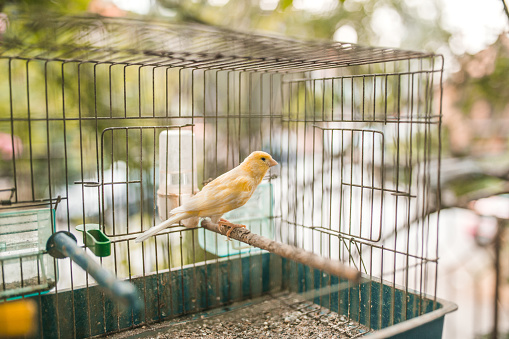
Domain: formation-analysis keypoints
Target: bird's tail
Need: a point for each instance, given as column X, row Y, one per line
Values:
column 158, row 228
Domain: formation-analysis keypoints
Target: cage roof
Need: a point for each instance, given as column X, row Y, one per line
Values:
column 139, row 42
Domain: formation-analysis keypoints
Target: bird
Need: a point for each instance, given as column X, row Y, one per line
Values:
column 227, row 192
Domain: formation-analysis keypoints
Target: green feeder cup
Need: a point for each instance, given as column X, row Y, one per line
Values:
column 95, row 239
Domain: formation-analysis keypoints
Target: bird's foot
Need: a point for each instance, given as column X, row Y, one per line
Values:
column 224, row 222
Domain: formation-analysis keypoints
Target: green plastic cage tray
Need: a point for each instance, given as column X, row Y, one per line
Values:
column 207, row 289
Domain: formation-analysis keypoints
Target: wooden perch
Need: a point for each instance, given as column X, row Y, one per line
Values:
column 333, row 267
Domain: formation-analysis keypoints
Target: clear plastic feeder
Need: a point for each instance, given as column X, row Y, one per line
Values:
column 25, row 267
column 177, row 172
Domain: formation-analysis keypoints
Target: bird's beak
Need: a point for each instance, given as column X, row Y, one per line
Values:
column 272, row 163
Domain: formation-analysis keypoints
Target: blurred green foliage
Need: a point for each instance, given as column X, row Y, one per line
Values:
column 59, row 6
column 488, row 82
column 419, row 33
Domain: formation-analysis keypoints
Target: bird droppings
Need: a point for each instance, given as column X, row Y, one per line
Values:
column 282, row 316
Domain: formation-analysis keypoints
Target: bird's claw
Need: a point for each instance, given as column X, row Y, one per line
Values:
column 224, row 222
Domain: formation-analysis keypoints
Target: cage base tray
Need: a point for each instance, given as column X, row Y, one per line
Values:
column 208, row 289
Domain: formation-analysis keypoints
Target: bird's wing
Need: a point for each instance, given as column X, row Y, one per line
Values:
column 223, row 194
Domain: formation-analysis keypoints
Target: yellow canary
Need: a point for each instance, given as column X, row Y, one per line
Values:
column 225, row 193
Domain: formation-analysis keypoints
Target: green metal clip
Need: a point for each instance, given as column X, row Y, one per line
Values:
column 95, row 239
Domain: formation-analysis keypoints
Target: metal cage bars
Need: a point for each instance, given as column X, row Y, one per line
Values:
column 343, row 137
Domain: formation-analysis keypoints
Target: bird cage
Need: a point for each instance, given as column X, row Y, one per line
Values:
column 107, row 123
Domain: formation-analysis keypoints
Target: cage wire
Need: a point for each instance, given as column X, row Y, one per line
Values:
column 95, row 110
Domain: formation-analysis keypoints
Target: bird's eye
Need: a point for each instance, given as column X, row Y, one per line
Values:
column 263, row 159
